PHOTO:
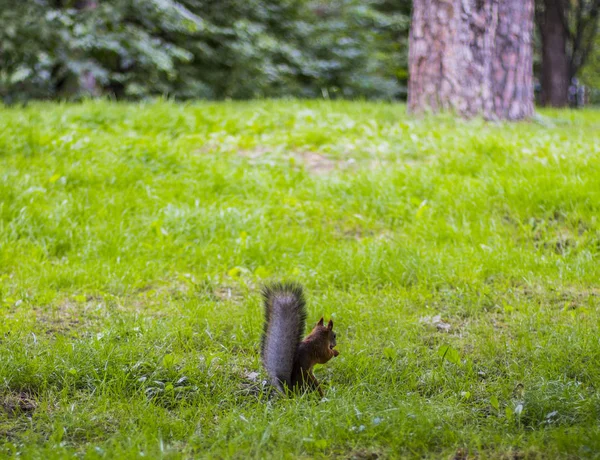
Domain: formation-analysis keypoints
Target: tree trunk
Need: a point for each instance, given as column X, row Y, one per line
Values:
column 473, row 57
column 512, row 82
column 555, row 61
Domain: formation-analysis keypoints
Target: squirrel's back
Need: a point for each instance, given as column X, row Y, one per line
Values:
column 285, row 318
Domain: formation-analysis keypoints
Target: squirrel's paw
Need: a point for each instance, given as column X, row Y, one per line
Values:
column 335, row 352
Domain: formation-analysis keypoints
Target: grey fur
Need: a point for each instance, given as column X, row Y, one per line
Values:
column 285, row 319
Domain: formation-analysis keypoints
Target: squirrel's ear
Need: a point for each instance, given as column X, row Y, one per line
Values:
column 320, row 323
column 330, row 324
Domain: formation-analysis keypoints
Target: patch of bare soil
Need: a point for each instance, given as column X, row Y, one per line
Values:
column 462, row 454
column 251, row 385
column 19, row 403
column 317, row 163
column 60, row 319
column 314, row 162
column 363, row 454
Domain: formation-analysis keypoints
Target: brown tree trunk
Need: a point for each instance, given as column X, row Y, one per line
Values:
column 512, row 80
column 473, row 57
column 555, row 61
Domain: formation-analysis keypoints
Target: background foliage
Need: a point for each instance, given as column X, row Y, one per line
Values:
column 213, row 49
column 203, row 48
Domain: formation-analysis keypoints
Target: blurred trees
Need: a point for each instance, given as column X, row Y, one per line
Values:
column 248, row 48
column 590, row 73
column 202, row 48
column 568, row 30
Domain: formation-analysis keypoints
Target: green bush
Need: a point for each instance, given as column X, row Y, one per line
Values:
column 202, row 48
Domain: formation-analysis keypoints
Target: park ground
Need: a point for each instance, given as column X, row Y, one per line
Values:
column 460, row 261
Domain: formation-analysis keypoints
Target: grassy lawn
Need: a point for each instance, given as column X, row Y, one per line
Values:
column 459, row 260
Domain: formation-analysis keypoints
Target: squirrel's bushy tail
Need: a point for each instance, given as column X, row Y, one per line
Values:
column 285, row 318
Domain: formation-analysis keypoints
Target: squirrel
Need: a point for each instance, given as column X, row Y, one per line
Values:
column 288, row 359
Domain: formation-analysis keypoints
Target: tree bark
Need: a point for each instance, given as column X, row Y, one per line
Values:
column 555, row 60
column 473, row 57
column 512, row 81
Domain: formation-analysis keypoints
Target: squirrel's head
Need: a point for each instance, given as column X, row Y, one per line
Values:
column 326, row 332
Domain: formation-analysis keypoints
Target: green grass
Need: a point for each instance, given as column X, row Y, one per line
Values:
column 134, row 239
